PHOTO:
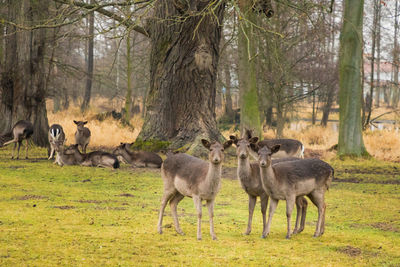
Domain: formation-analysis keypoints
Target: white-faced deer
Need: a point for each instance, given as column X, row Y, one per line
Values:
column 82, row 135
column 138, row 158
column 21, row 130
column 185, row 175
column 289, row 147
column 56, row 138
column 93, row 159
column 292, row 179
column 250, row 180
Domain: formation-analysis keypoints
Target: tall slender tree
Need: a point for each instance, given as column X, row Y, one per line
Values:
column 350, row 92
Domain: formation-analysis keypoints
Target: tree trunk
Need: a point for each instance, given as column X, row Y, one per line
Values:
column 378, row 54
column 396, row 61
column 23, row 79
column 249, row 105
column 350, row 93
column 228, row 96
column 89, row 77
column 128, row 97
column 184, row 57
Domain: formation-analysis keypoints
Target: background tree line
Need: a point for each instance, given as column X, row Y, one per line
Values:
column 183, row 64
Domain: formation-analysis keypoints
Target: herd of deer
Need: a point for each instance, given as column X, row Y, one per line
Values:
column 281, row 173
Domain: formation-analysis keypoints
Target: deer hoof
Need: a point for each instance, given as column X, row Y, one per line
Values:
column 199, row 238
column 287, row 236
column 214, row 238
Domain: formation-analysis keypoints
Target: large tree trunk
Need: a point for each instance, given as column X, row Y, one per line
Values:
column 249, row 105
column 183, row 67
column 350, row 93
column 396, row 61
column 23, row 77
column 89, row 77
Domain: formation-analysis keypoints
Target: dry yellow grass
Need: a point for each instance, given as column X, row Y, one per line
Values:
column 107, row 133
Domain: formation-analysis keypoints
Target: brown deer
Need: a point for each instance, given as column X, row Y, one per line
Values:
column 138, row 158
column 94, row 159
column 288, row 148
column 82, row 135
column 62, row 157
column 292, row 179
column 56, row 138
column 250, row 180
column 22, row 130
column 185, row 175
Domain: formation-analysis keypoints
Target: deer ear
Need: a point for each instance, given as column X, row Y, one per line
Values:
column 205, row 143
column 275, row 148
column 248, row 134
column 253, row 140
column 227, row 144
column 254, row 147
column 84, row 122
column 234, row 139
column 121, row 143
column 75, row 122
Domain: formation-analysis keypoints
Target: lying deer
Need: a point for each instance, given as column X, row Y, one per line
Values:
column 56, row 138
column 82, row 135
column 292, row 179
column 250, row 180
column 138, row 158
column 21, row 130
column 63, row 158
column 93, row 159
column 289, row 147
column 185, row 175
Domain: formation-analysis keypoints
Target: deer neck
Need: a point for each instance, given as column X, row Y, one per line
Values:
column 244, row 170
column 78, row 155
column 268, row 179
column 128, row 155
column 213, row 175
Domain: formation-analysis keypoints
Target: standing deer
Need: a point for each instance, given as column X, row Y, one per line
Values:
column 56, row 138
column 82, row 135
column 21, row 130
column 95, row 158
column 292, row 179
column 185, row 175
column 289, row 147
column 250, row 180
column 138, row 158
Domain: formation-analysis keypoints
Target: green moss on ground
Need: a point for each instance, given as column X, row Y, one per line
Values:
column 72, row 215
column 150, row 145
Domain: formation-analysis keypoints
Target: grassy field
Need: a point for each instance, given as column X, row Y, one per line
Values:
column 81, row 216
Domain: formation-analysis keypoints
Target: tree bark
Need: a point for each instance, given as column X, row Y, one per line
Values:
column 23, row 79
column 396, row 61
column 184, row 56
column 350, row 94
column 89, row 77
column 249, row 104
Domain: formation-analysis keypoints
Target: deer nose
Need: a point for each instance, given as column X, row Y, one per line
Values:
column 242, row 155
column 263, row 163
column 216, row 160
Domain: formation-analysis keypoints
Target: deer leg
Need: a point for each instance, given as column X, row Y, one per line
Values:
column 289, row 209
column 301, row 205
column 197, row 204
column 15, row 146
column 51, row 152
column 318, row 199
column 210, row 206
column 173, row 204
column 299, row 210
column 252, row 203
column 264, row 205
column 323, row 221
column 272, row 207
column 19, row 146
column 26, row 149
column 168, row 194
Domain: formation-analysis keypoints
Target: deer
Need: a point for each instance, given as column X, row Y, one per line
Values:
column 22, row 130
column 187, row 176
column 137, row 158
column 95, row 158
column 82, row 135
column 288, row 148
column 56, row 138
column 248, row 174
column 292, row 179
column 62, row 157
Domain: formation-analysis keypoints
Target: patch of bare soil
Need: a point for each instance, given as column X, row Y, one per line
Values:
column 64, row 207
column 125, row 195
column 28, row 197
column 91, row 201
column 358, row 180
column 350, row 251
column 16, row 167
column 385, row 227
